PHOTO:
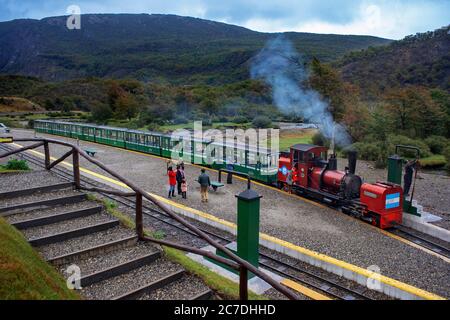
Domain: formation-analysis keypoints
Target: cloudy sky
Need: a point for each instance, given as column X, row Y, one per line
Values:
column 385, row 18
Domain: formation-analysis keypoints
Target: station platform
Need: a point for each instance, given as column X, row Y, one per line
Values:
column 288, row 220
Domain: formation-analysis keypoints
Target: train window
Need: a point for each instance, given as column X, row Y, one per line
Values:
column 251, row 159
column 297, row 156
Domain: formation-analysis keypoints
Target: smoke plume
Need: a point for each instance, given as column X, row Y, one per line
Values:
column 280, row 66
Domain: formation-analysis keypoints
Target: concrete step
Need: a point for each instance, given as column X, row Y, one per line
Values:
column 186, row 288
column 34, row 204
column 119, row 268
column 91, row 252
column 151, row 287
column 135, row 282
column 88, row 244
column 207, row 294
column 67, row 225
column 32, row 179
column 50, row 211
column 54, row 218
column 74, row 233
column 35, row 190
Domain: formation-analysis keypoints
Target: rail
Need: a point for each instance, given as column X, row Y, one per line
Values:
column 234, row 260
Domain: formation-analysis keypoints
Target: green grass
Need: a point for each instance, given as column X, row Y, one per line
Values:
column 223, row 286
column 24, row 275
column 293, row 137
column 434, row 161
column 4, row 170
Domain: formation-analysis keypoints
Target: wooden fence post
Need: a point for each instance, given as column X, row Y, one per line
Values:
column 47, row 155
column 139, row 221
column 76, row 169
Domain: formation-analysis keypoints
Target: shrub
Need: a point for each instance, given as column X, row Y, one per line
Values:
column 239, row 119
column 446, row 153
column 402, row 140
column 15, row 164
column 320, row 140
column 437, row 144
column 262, row 122
column 180, row 120
column 366, row 151
column 436, row 161
column 30, row 124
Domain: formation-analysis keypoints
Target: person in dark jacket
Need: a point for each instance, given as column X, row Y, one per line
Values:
column 205, row 182
column 407, row 178
column 180, row 177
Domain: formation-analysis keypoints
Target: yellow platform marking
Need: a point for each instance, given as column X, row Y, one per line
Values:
column 342, row 264
column 304, row 290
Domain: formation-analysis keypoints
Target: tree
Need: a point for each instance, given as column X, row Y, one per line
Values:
column 262, row 122
column 101, row 113
column 126, row 107
column 327, row 82
column 414, row 112
column 356, row 119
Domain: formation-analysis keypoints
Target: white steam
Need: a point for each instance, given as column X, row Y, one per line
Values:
column 279, row 65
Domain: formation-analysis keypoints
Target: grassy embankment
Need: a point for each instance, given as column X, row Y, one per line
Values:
column 434, row 161
column 221, row 285
column 24, row 275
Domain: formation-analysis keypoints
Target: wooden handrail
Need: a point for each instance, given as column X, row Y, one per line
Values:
column 244, row 265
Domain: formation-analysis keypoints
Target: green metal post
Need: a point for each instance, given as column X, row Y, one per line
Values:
column 248, row 226
column 395, row 167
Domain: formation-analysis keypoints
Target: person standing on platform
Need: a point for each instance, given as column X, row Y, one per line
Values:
column 409, row 171
column 179, row 177
column 172, row 181
column 289, row 180
column 205, row 182
column 184, row 189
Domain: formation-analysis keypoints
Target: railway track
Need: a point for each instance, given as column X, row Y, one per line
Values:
column 308, row 278
column 421, row 241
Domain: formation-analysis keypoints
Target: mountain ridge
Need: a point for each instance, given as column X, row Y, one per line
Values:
column 155, row 48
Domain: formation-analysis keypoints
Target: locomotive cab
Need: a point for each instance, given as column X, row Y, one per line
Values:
column 305, row 158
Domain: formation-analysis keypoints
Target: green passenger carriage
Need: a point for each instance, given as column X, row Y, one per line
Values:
column 259, row 164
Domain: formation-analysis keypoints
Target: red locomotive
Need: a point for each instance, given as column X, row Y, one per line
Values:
column 316, row 176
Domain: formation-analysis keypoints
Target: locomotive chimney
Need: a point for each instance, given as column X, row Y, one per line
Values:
column 332, row 162
column 352, row 156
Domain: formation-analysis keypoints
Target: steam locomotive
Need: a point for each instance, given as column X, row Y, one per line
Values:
column 315, row 175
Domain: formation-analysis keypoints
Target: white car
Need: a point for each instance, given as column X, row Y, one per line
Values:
column 3, row 128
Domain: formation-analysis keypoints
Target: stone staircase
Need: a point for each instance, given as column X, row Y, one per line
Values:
column 69, row 230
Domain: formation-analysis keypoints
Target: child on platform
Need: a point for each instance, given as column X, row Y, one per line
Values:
column 184, row 188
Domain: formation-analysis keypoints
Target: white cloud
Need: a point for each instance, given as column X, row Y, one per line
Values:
column 392, row 20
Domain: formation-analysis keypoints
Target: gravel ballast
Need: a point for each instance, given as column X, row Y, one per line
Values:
column 37, row 197
column 85, row 242
column 106, row 260
column 50, row 211
column 183, row 289
column 66, row 226
column 135, row 279
column 36, row 178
